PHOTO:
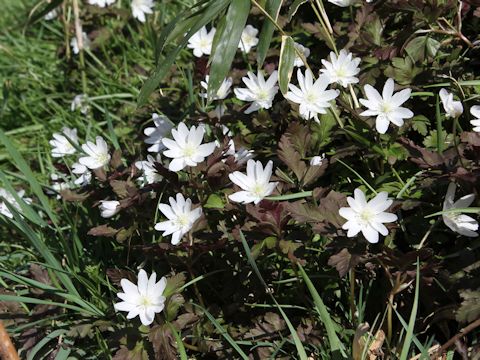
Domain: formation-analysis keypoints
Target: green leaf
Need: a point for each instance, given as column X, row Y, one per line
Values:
column 413, row 317
column 28, row 174
column 336, row 346
column 285, row 66
column 294, row 8
column 214, row 201
column 298, row 344
column 163, row 66
column 272, row 7
column 223, row 332
column 226, row 42
column 420, row 124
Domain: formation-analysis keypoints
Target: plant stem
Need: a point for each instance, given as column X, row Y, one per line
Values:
column 79, row 36
column 353, row 308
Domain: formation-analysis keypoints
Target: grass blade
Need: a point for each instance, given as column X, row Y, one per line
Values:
column 223, row 332
column 272, row 7
column 413, row 316
column 22, row 165
column 286, row 61
column 298, row 344
column 336, row 346
column 178, row 339
column 227, row 39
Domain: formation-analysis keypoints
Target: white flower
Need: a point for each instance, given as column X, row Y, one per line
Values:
column 304, row 51
column 58, row 184
column 98, row 155
column 187, row 149
column 317, row 160
column 312, row 96
column 155, row 134
column 6, row 196
column 101, row 3
column 255, row 184
column 456, row 221
column 142, row 7
column 61, row 143
column 150, row 174
column 342, row 69
column 80, row 102
column 367, row 217
column 260, row 92
column 475, row 111
column 108, row 208
column 85, row 174
column 180, row 217
column 201, row 42
column 343, row 3
column 248, row 39
column 386, row 107
column 51, row 14
column 222, row 92
column 452, row 108
column 145, row 299
column 74, row 43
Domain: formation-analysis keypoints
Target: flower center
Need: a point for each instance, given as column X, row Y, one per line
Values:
column 258, row 190
column 145, row 301
column 310, row 98
column 189, row 150
column 385, row 107
column 366, row 216
column 341, row 72
column 204, row 43
column 262, row 95
column 182, row 220
column 102, row 158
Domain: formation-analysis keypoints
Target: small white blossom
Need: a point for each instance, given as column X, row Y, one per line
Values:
column 201, row 42
column 342, row 69
column 150, row 174
column 475, row 111
column 85, row 176
column 342, row 3
column 155, row 134
column 386, row 107
column 142, row 7
column 187, row 149
column 58, row 184
column 259, row 92
column 248, row 39
column 317, row 160
column 456, row 221
column 312, row 96
column 304, row 51
column 181, row 218
column 145, row 299
column 222, row 92
column 74, row 43
column 367, row 217
column 61, row 142
column 97, row 152
column 51, row 14
column 453, row 109
column 255, row 184
column 7, row 197
column 80, row 102
column 101, row 3
column 109, row 208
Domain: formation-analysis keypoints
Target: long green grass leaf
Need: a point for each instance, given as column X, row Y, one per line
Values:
column 413, row 317
column 223, row 332
column 286, row 61
column 336, row 346
column 272, row 7
column 226, row 42
column 298, row 343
